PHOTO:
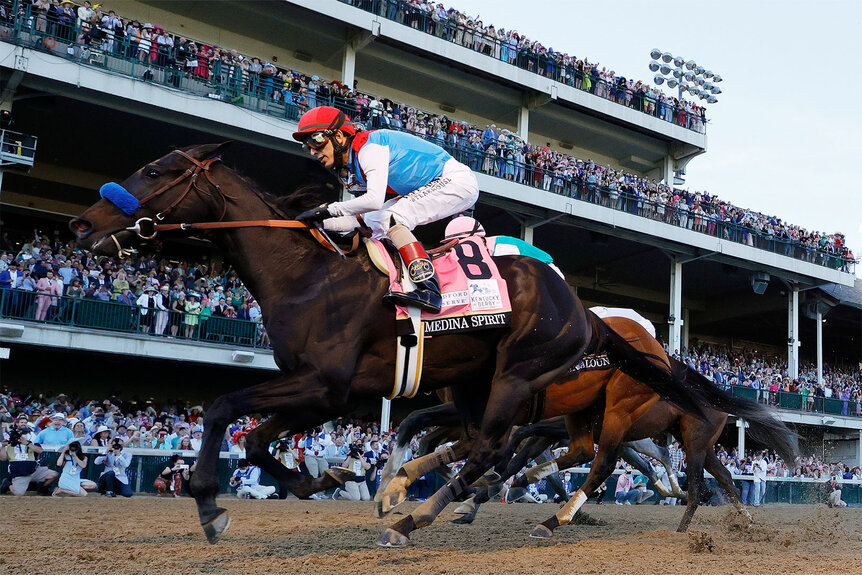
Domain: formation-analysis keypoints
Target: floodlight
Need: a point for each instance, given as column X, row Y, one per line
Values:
column 654, row 66
column 672, row 83
column 665, row 69
column 711, row 100
column 655, row 53
column 678, row 73
column 678, row 61
column 700, row 70
column 708, row 74
column 690, row 65
column 717, row 79
column 689, row 76
column 667, row 57
column 658, row 79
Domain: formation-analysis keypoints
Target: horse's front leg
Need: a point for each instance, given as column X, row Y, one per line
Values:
column 303, row 397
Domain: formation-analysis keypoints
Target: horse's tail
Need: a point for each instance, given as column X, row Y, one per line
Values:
column 650, row 369
column 764, row 426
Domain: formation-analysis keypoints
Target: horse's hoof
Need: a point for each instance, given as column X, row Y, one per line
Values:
column 340, row 474
column 216, row 527
column 464, row 520
column 541, row 532
column 392, row 500
column 464, row 509
column 491, row 477
column 391, row 538
column 378, row 510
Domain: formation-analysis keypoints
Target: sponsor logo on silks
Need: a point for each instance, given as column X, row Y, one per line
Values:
column 456, row 298
column 420, row 270
column 461, row 324
column 591, row 362
column 485, row 294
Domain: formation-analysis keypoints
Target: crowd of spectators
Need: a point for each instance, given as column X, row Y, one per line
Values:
column 768, row 374
column 165, row 297
column 69, row 423
column 491, row 150
column 517, row 49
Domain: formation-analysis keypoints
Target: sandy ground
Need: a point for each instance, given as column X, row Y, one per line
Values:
column 147, row 535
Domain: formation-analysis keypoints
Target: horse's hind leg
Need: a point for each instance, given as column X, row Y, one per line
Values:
column 694, row 470
column 302, row 486
column 725, row 481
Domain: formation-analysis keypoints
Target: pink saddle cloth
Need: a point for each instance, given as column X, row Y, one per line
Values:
column 475, row 296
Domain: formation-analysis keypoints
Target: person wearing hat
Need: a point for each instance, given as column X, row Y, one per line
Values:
column 72, row 460
column 432, row 184
column 56, row 433
column 101, row 437
column 114, row 478
column 625, row 493
column 192, row 310
column 197, row 437
column 20, row 451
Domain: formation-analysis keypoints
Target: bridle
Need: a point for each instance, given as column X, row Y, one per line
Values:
column 148, row 227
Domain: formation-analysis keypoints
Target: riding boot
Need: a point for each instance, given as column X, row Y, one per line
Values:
column 421, row 272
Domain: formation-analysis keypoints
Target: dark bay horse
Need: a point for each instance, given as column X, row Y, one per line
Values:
column 332, row 336
column 611, row 409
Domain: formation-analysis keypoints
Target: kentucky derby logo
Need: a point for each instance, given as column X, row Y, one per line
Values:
column 485, row 294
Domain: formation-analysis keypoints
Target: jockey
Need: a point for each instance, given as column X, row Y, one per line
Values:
column 428, row 185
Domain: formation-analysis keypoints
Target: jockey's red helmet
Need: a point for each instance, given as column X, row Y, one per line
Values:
column 324, row 120
column 461, row 227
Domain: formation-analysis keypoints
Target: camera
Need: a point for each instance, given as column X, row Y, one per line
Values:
column 355, row 452
column 117, row 445
column 74, row 446
column 15, row 435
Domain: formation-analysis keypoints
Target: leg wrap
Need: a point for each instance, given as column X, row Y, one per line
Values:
column 419, row 467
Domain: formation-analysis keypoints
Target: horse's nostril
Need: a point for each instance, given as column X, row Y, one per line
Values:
column 80, row 226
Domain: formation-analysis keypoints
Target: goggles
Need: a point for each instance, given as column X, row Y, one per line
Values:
column 317, row 140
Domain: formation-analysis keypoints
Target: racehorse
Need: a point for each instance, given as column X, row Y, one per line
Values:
column 333, row 338
column 608, row 408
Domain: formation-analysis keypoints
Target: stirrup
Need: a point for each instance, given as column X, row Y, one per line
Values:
column 424, row 299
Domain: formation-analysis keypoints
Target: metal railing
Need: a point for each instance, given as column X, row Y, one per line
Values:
column 265, row 94
column 17, row 149
column 115, row 316
column 548, row 65
column 800, row 402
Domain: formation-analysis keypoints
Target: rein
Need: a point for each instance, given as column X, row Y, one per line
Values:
column 147, row 228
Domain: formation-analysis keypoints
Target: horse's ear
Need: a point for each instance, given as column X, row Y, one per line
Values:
column 207, row 151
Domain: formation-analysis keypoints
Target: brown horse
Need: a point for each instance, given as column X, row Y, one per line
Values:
column 608, row 408
column 332, row 336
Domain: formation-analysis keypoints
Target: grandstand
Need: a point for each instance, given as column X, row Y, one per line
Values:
column 100, row 111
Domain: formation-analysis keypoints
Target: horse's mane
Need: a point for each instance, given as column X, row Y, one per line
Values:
column 304, row 197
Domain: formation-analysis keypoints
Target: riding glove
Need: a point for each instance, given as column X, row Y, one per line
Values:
column 317, row 214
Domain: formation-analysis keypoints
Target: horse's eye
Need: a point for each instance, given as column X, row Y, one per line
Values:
column 151, row 173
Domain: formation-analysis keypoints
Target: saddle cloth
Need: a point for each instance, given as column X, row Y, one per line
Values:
column 474, row 294
column 474, row 297
column 598, row 361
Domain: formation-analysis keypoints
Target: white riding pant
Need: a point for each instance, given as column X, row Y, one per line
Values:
column 456, row 190
column 255, row 491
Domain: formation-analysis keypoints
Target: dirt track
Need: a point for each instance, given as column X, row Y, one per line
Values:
column 148, row 535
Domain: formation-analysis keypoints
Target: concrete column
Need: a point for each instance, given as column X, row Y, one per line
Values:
column 685, row 330
column 384, row 415
column 675, row 320
column 524, row 123
column 740, row 438
column 667, row 170
column 819, row 320
column 793, row 333
column 348, row 65
column 527, row 233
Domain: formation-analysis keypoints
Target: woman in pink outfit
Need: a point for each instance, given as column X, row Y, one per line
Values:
column 49, row 289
